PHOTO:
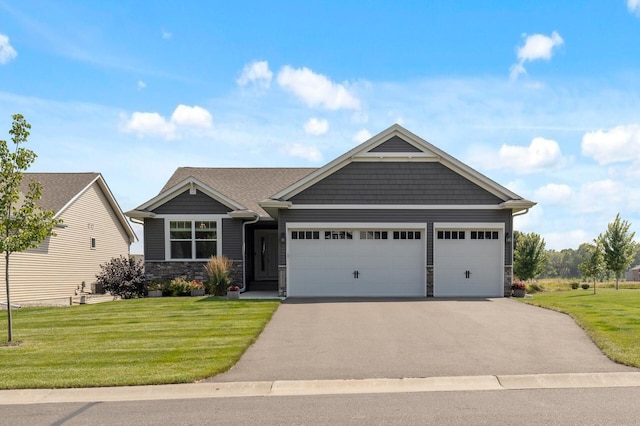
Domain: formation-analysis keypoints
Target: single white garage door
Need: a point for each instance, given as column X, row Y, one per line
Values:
column 468, row 262
column 360, row 262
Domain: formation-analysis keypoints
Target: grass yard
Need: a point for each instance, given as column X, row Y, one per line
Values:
column 129, row 342
column 611, row 318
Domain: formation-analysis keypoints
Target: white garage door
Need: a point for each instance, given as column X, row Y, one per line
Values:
column 468, row 262
column 366, row 262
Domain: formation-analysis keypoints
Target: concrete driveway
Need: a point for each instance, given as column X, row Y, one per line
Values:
column 359, row 339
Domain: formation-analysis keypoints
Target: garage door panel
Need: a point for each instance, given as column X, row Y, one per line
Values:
column 385, row 267
column 468, row 266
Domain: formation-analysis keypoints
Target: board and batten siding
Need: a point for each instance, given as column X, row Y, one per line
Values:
column 395, row 183
column 397, row 216
column 62, row 263
column 232, row 239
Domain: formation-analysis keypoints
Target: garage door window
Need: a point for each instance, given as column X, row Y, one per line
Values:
column 451, row 235
column 338, row 235
column 374, row 235
column 484, row 235
column 305, row 235
column 407, row 235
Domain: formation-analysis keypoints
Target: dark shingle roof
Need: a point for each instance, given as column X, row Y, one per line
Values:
column 247, row 186
column 58, row 188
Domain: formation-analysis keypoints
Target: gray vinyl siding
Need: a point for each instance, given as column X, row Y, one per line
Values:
column 398, row 216
column 395, row 183
column 154, row 239
column 232, row 238
column 199, row 203
column 395, row 144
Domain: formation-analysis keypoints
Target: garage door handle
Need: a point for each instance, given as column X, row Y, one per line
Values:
column 356, row 274
column 467, row 274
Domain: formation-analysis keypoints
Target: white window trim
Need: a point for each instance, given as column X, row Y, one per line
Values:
column 190, row 217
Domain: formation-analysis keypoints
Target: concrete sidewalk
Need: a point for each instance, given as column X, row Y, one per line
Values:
column 321, row 387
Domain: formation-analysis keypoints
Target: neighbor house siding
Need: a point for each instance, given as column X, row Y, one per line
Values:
column 186, row 203
column 395, row 144
column 397, row 216
column 154, row 248
column 395, row 183
column 60, row 265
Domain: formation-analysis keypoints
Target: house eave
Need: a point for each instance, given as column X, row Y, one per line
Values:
column 517, row 205
column 272, row 207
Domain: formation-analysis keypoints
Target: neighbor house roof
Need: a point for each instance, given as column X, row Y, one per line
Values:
column 60, row 190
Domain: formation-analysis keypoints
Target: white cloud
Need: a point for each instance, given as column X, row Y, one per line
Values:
column 600, row 195
column 622, row 143
column 7, row 52
column 166, row 35
column 542, row 154
column 316, row 126
column 554, row 194
column 566, row 239
column 153, row 124
column 150, row 123
column 257, row 73
column 141, row 85
column 194, row 116
column 634, row 6
column 361, row 136
column 310, row 153
column 535, row 47
column 317, row 89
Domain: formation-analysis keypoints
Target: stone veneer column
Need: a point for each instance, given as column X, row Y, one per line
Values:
column 282, row 280
column 508, row 279
column 429, row 281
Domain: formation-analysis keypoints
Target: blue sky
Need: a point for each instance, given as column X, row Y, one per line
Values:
column 542, row 97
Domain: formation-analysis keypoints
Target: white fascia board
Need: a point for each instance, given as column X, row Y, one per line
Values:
column 137, row 214
column 189, row 183
column 355, row 225
column 468, row 225
column 517, row 204
column 243, row 214
column 396, row 207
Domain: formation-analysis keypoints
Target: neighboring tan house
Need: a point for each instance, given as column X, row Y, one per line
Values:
column 93, row 231
column 395, row 216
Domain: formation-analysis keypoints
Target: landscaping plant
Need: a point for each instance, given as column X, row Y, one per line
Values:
column 122, row 277
column 217, row 269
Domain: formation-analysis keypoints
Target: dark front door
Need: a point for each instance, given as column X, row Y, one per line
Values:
column 266, row 254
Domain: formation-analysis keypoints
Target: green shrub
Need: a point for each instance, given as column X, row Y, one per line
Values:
column 575, row 286
column 585, row 286
column 122, row 277
column 179, row 286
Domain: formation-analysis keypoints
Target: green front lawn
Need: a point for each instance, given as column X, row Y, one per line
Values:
column 611, row 318
column 129, row 342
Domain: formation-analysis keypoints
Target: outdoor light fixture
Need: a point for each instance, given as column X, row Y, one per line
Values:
column 283, row 237
column 507, row 237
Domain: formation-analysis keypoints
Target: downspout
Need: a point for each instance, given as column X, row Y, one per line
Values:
column 244, row 251
column 520, row 213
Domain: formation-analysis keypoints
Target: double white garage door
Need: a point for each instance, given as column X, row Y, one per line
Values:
column 390, row 261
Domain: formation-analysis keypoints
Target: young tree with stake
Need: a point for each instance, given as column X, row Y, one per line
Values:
column 23, row 224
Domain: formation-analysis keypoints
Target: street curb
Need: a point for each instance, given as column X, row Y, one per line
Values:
column 285, row 388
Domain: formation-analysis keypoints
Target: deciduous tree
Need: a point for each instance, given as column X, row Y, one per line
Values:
column 529, row 256
column 593, row 265
column 619, row 247
column 23, row 224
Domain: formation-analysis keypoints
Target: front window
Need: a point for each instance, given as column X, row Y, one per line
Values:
column 193, row 239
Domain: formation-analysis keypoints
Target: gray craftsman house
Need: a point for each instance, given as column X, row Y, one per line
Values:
column 395, row 216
